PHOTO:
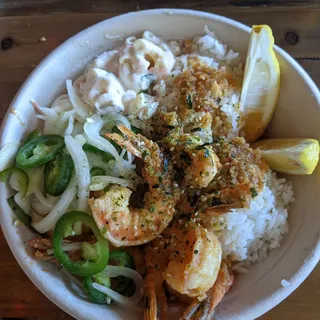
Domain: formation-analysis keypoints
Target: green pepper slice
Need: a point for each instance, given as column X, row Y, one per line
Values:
column 20, row 214
column 57, row 174
column 95, row 171
column 39, row 151
column 34, row 134
column 106, row 157
column 122, row 259
column 93, row 294
column 22, row 179
column 90, row 148
column 80, row 268
column 136, row 130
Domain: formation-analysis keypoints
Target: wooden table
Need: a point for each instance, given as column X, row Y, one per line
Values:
column 24, row 25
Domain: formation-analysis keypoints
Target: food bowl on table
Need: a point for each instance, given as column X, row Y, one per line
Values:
column 297, row 115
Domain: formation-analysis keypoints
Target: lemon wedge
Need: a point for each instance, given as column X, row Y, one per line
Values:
column 261, row 83
column 291, row 156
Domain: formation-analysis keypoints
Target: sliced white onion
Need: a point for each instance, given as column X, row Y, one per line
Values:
column 96, row 161
column 62, row 103
column 114, row 271
column 35, row 217
column 67, row 247
column 48, row 202
column 65, row 115
column 49, row 113
column 112, row 119
column 39, row 207
column 123, row 152
column 130, row 157
column 77, row 129
column 70, row 126
column 100, row 182
column 81, row 166
column 24, row 203
column 81, row 139
column 92, row 129
column 79, row 106
column 8, row 153
column 59, row 209
column 59, row 99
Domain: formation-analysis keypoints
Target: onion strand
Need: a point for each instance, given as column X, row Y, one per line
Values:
column 114, row 271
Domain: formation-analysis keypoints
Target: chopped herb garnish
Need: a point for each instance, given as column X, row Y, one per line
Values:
column 189, row 101
column 203, row 146
column 104, row 230
column 144, row 154
column 143, row 91
column 206, row 153
column 254, row 192
column 136, row 130
column 152, row 209
column 196, row 129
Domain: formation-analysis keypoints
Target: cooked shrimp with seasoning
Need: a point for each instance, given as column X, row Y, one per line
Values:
column 124, row 225
column 197, row 161
column 146, row 179
column 187, row 258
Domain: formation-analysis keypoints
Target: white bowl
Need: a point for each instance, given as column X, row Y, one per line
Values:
column 297, row 115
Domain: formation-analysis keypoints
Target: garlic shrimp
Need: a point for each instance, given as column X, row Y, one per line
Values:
column 198, row 161
column 185, row 257
column 119, row 222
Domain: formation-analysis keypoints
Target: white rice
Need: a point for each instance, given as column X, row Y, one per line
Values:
column 215, row 54
column 249, row 233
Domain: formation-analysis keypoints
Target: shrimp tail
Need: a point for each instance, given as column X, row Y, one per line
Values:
column 134, row 143
column 223, row 284
column 124, row 144
column 191, row 311
column 156, row 301
column 205, row 309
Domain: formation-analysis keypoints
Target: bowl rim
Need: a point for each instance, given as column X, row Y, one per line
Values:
column 262, row 306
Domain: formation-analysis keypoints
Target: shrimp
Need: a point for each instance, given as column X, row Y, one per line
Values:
column 204, row 310
column 186, row 258
column 197, row 161
column 240, row 178
column 124, row 225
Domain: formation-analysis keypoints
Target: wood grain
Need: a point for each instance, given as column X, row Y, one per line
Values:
column 62, row 19
column 34, row 7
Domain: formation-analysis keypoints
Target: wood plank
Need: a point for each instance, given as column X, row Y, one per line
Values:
column 27, row 31
column 37, row 7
